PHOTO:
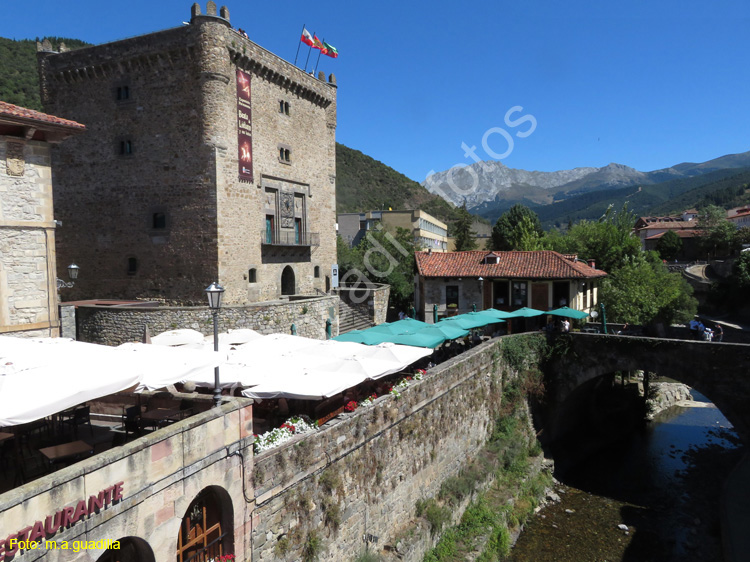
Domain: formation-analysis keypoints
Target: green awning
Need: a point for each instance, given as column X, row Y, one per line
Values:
column 526, row 312
column 569, row 313
column 471, row 320
column 398, row 327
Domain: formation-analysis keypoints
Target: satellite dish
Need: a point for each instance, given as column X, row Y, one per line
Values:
column 594, row 314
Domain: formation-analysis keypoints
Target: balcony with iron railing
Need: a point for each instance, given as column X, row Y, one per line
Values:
column 289, row 238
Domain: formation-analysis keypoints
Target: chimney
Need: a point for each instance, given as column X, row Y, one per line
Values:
column 592, row 264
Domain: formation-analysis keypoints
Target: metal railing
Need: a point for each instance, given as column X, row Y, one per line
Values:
column 289, row 238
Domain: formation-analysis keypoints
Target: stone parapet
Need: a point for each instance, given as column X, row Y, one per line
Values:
column 114, row 325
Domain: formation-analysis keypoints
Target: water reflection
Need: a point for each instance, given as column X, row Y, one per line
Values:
column 663, row 481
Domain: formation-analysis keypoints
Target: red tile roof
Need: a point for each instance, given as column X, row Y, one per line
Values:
column 15, row 112
column 680, row 233
column 517, row 265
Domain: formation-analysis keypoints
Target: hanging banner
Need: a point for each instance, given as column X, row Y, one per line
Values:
column 244, row 127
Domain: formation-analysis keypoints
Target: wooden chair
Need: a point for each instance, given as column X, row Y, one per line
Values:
column 131, row 421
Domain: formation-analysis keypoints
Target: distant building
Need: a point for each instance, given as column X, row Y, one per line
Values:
column 456, row 281
column 429, row 232
column 207, row 158
column 28, row 290
column 651, row 229
column 739, row 216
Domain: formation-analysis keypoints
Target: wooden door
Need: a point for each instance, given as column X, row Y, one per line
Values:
column 540, row 296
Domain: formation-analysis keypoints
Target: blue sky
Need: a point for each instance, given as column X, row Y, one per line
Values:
column 645, row 84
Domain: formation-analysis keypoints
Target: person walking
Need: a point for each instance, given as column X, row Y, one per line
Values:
column 718, row 332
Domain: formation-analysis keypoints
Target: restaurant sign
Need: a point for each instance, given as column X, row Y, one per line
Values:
column 29, row 537
column 244, row 127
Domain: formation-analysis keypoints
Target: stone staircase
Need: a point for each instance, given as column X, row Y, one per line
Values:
column 351, row 318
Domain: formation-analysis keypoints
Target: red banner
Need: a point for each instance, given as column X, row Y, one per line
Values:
column 244, row 127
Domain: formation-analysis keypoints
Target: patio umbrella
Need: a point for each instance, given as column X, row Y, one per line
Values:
column 471, row 320
column 526, row 312
column 367, row 337
column 43, row 376
column 177, row 337
column 236, row 337
column 399, row 327
column 569, row 313
column 449, row 331
column 497, row 313
column 163, row 365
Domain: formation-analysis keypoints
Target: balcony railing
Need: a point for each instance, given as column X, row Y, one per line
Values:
column 288, row 238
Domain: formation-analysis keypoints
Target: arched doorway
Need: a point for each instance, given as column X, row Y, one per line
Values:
column 132, row 549
column 206, row 531
column 287, row 281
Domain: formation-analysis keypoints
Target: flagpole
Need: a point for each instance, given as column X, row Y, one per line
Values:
column 298, row 42
column 316, row 62
column 308, row 54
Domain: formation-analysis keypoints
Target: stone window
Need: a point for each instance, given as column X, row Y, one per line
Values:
column 122, row 93
column 252, row 275
column 284, row 107
column 285, row 154
column 316, row 272
column 132, row 266
column 451, row 296
column 159, row 221
column 126, row 147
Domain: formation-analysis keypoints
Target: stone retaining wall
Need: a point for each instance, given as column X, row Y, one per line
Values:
column 665, row 395
column 363, row 473
column 114, row 325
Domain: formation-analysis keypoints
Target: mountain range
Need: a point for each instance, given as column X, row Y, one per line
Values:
column 489, row 187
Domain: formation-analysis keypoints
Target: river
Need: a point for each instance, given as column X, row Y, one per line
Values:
column 652, row 496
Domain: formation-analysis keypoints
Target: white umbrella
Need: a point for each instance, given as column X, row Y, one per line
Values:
column 42, row 376
column 182, row 336
column 236, row 337
column 161, row 366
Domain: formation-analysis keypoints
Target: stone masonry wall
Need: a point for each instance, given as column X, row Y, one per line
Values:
column 160, row 475
column 364, row 472
column 372, row 302
column 179, row 123
column 27, row 243
column 114, row 325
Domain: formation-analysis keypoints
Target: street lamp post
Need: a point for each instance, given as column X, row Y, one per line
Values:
column 214, row 292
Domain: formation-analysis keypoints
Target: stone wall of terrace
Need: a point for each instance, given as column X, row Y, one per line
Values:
column 114, row 325
column 142, row 489
column 364, row 471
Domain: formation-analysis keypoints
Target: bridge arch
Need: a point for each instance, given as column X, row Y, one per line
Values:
column 720, row 371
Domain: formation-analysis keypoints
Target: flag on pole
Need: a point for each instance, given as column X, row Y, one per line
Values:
column 318, row 44
column 330, row 50
column 307, row 38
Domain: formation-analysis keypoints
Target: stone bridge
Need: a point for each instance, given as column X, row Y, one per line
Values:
column 720, row 371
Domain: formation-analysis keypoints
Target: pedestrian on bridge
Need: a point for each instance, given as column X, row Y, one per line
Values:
column 718, row 332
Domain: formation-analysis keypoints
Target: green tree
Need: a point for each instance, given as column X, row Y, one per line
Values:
column 462, row 230
column 381, row 257
column 669, row 245
column 643, row 291
column 609, row 241
column 519, row 228
column 718, row 235
column 742, row 272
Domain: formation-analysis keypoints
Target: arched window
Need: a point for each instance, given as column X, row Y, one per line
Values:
column 206, row 529
column 252, row 275
column 132, row 549
column 316, row 272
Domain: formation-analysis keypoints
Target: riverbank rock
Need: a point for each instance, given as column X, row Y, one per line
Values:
column 665, row 395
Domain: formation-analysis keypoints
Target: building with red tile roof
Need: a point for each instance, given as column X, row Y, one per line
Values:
column 456, row 281
column 28, row 280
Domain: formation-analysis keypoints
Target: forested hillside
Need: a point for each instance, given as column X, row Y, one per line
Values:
column 19, row 79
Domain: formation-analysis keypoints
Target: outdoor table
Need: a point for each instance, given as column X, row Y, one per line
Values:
column 159, row 416
column 58, row 453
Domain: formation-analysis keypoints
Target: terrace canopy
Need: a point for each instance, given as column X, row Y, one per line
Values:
column 40, row 377
column 568, row 313
column 471, row 320
column 526, row 312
